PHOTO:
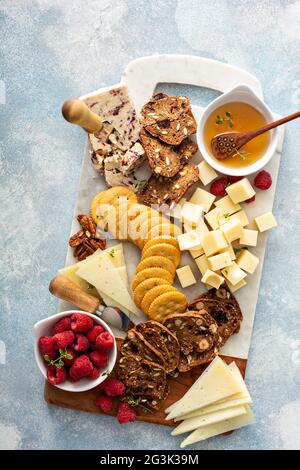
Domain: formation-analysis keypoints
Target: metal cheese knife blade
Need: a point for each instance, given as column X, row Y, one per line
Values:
column 64, row 289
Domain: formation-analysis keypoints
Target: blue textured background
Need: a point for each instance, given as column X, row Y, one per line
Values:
column 52, row 50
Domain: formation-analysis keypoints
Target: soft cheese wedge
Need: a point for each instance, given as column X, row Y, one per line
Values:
column 215, row 429
column 241, row 398
column 191, row 424
column 215, row 384
column 101, row 273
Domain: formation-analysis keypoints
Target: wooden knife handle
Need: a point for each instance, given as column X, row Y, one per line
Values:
column 64, row 289
column 77, row 112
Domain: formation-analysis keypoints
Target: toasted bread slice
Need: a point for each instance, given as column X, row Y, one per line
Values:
column 166, row 160
column 169, row 190
column 198, row 337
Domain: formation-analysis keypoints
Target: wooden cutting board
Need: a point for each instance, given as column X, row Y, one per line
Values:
column 85, row 401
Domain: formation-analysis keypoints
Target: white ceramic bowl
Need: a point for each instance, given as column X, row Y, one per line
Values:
column 240, row 93
column 44, row 327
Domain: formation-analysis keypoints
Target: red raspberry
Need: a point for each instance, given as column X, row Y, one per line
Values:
column 252, row 199
column 114, row 387
column 126, row 413
column 56, row 375
column 64, row 324
column 47, row 346
column 82, row 367
column 234, row 179
column 104, row 341
column 64, row 339
column 69, row 362
column 95, row 374
column 81, row 322
column 217, row 188
column 99, row 358
column 94, row 332
column 105, row 403
column 73, row 378
column 263, row 180
column 81, row 343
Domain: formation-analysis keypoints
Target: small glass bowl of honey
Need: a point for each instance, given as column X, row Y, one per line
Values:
column 239, row 110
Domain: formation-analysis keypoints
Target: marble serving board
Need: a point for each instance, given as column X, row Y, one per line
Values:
column 142, row 76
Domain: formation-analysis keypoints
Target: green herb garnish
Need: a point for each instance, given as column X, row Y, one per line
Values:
column 112, row 253
column 63, row 354
column 137, row 402
column 242, row 154
column 228, row 118
column 106, row 373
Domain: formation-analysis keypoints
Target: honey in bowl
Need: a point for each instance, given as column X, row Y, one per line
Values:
column 238, row 117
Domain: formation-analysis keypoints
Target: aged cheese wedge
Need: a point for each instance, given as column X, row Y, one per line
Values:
column 123, row 275
column 70, row 273
column 216, row 383
column 100, row 272
column 190, row 424
column 241, row 398
column 215, row 429
column 116, row 255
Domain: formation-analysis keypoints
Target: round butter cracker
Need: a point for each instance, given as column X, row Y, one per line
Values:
column 143, row 287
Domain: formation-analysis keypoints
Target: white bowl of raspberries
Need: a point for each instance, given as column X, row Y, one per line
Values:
column 75, row 350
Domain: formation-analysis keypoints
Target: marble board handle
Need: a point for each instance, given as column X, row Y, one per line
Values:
column 77, row 112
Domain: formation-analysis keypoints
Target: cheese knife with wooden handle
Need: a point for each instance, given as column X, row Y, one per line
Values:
column 77, row 112
column 64, row 289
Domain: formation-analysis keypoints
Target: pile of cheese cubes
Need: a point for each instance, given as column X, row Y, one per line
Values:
column 212, row 247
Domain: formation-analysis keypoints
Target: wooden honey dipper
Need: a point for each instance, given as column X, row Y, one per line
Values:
column 77, row 112
column 226, row 144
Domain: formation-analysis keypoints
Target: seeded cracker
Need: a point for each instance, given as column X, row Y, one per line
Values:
column 169, row 118
column 166, row 160
column 166, row 191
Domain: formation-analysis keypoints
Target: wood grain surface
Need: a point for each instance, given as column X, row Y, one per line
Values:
column 85, row 401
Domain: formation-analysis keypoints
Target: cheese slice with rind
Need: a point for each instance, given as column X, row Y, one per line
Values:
column 215, row 429
column 241, row 398
column 191, row 424
column 215, row 384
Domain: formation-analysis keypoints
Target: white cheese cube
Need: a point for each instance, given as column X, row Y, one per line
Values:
column 213, row 241
column 233, row 288
column 219, row 261
column 265, row 222
column 227, row 206
column 202, row 264
column 189, row 241
column 196, row 253
column 232, row 230
column 191, row 214
column 240, row 191
column 248, row 237
column 176, row 209
column 242, row 217
column 234, row 273
column 203, row 198
column 185, row 276
column 217, row 217
column 247, row 261
column 206, row 173
column 229, row 250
